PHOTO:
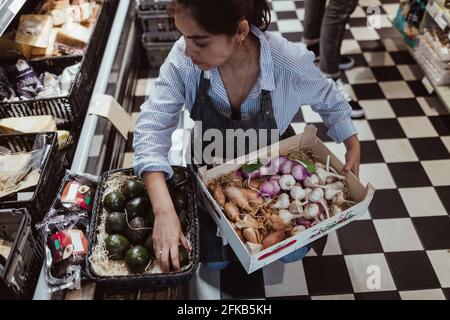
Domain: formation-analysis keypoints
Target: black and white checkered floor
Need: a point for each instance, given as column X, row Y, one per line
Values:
column 405, row 140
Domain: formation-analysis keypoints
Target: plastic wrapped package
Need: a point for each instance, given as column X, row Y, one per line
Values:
column 65, row 231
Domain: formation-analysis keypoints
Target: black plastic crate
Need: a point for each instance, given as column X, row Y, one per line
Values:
column 158, row 26
column 153, row 5
column 157, row 52
column 139, row 281
column 21, row 271
column 73, row 107
column 45, row 191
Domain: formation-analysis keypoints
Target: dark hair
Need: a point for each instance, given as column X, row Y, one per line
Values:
column 224, row 16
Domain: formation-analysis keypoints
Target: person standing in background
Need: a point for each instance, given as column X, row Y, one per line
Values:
column 324, row 28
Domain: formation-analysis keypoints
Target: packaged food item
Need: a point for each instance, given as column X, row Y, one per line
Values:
column 66, row 245
column 34, row 30
column 6, row 90
column 66, row 231
column 77, row 193
column 25, row 79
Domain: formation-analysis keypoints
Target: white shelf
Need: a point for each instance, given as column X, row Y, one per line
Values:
column 8, row 10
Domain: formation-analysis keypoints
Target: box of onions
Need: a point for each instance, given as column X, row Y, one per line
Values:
column 273, row 205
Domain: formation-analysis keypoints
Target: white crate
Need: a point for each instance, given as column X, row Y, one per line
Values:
column 307, row 140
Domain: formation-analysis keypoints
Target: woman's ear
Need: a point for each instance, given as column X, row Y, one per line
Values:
column 243, row 30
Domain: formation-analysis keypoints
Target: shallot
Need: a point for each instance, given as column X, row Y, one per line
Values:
column 251, row 234
column 287, row 182
column 236, row 196
column 231, row 211
column 273, row 238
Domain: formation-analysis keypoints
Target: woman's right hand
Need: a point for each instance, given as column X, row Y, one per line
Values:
column 167, row 233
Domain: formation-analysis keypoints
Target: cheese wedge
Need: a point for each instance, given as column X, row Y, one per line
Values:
column 50, row 50
column 27, row 124
column 34, row 30
column 74, row 35
column 61, row 16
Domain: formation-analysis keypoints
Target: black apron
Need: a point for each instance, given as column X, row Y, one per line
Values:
column 211, row 246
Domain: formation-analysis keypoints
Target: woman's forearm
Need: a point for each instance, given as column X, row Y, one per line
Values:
column 158, row 192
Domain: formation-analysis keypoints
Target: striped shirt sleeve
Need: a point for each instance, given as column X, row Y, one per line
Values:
column 159, row 116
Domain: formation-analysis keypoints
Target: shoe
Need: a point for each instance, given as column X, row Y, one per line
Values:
column 345, row 62
column 357, row 110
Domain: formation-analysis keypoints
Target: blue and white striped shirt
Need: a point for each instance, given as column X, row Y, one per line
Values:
column 286, row 69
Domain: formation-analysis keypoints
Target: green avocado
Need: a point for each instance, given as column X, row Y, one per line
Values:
column 137, row 231
column 117, row 245
column 183, row 256
column 133, row 189
column 115, row 223
column 114, row 201
column 137, row 259
column 138, row 207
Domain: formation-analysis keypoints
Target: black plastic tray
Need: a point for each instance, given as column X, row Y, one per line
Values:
column 21, row 273
column 45, row 191
column 137, row 281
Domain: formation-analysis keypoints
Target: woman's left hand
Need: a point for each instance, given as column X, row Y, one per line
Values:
column 352, row 156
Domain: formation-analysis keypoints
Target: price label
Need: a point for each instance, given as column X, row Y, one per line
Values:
column 440, row 20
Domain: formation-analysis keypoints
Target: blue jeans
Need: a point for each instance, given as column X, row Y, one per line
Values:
column 291, row 257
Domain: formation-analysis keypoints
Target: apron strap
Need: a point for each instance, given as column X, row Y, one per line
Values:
column 266, row 106
column 203, row 87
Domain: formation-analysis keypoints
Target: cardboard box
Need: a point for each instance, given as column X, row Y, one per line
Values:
column 307, row 140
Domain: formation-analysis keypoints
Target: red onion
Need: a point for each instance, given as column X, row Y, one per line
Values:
column 302, row 221
column 287, row 167
column 268, row 189
column 273, row 166
column 299, row 172
column 276, row 185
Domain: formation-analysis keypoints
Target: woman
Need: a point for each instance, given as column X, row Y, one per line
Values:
column 228, row 73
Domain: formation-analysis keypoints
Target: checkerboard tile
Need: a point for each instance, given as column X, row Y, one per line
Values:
column 405, row 143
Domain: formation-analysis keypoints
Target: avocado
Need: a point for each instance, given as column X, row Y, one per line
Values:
column 114, row 201
column 138, row 207
column 115, row 223
column 116, row 245
column 133, row 189
column 180, row 200
column 183, row 256
column 149, row 245
column 137, row 259
column 138, row 231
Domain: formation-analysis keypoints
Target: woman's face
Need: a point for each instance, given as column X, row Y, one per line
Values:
column 207, row 51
